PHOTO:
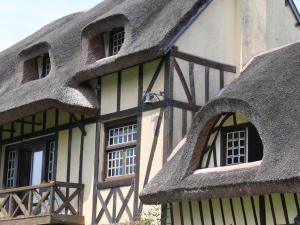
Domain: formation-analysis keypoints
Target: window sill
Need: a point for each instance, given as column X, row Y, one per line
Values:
column 120, row 181
column 228, row 168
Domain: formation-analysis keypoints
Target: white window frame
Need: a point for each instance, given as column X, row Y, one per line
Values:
column 233, row 155
column 118, row 160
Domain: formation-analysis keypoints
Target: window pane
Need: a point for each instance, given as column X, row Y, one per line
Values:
column 115, row 163
column 117, row 41
column 235, row 147
column 11, row 168
column 130, row 160
column 121, row 135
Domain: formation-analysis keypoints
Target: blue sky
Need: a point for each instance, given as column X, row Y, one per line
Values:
column 20, row 18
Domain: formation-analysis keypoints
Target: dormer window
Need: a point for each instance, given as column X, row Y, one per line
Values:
column 44, row 65
column 232, row 140
column 117, row 40
column 104, row 44
column 37, row 67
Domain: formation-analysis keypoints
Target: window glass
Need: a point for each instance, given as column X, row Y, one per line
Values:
column 117, row 41
column 121, row 150
column 236, row 147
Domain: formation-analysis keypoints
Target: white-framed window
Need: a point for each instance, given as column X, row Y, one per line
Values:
column 117, row 40
column 121, row 150
column 11, row 169
column 122, row 135
column 236, row 147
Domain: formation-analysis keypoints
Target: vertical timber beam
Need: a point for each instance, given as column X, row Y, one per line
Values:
column 168, row 119
column 169, row 111
column 138, row 144
column 96, row 157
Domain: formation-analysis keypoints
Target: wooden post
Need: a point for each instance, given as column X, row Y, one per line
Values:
column 52, row 198
column 30, row 203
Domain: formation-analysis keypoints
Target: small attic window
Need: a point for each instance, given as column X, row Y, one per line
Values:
column 105, row 44
column 37, row 67
column 232, row 140
column 117, row 40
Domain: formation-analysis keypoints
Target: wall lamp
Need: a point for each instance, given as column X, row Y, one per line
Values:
column 149, row 97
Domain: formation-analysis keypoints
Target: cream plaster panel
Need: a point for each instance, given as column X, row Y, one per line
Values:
column 88, row 171
column 253, row 28
column 149, row 70
column 292, row 209
column 62, row 155
column 278, row 209
column 214, row 83
column 75, row 155
column 217, row 210
column 176, row 213
column 64, row 117
column 281, row 30
column 179, row 93
column 149, row 122
column 177, row 126
column 125, row 217
column 109, row 94
column 199, row 84
column 104, row 194
column 39, row 119
column 213, row 34
column 129, row 88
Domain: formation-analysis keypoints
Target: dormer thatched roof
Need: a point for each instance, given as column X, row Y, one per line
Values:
column 152, row 25
column 268, row 93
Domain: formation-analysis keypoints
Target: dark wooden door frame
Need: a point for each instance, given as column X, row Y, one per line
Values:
column 31, row 145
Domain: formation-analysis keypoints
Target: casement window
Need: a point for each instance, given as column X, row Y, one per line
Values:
column 241, row 144
column 117, row 40
column 236, row 147
column 30, row 163
column 44, row 65
column 11, row 169
column 37, row 67
column 121, row 149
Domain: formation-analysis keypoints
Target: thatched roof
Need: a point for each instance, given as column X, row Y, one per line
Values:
column 268, row 93
column 152, row 26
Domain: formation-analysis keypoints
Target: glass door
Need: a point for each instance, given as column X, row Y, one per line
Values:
column 37, row 167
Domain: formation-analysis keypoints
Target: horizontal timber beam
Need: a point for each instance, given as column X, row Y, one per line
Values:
column 203, row 62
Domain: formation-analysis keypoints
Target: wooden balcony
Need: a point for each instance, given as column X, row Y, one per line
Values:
column 50, row 203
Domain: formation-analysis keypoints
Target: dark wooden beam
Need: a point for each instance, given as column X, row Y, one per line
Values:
column 138, row 143
column 221, row 79
column 169, row 111
column 155, row 76
column 79, row 124
column 207, row 84
column 119, row 83
column 183, row 82
column 29, row 122
column 96, row 159
column 203, row 62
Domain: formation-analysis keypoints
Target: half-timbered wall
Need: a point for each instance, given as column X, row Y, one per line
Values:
column 255, row 210
column 121, row 96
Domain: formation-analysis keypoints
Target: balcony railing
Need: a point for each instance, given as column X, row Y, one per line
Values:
column 54, row 199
